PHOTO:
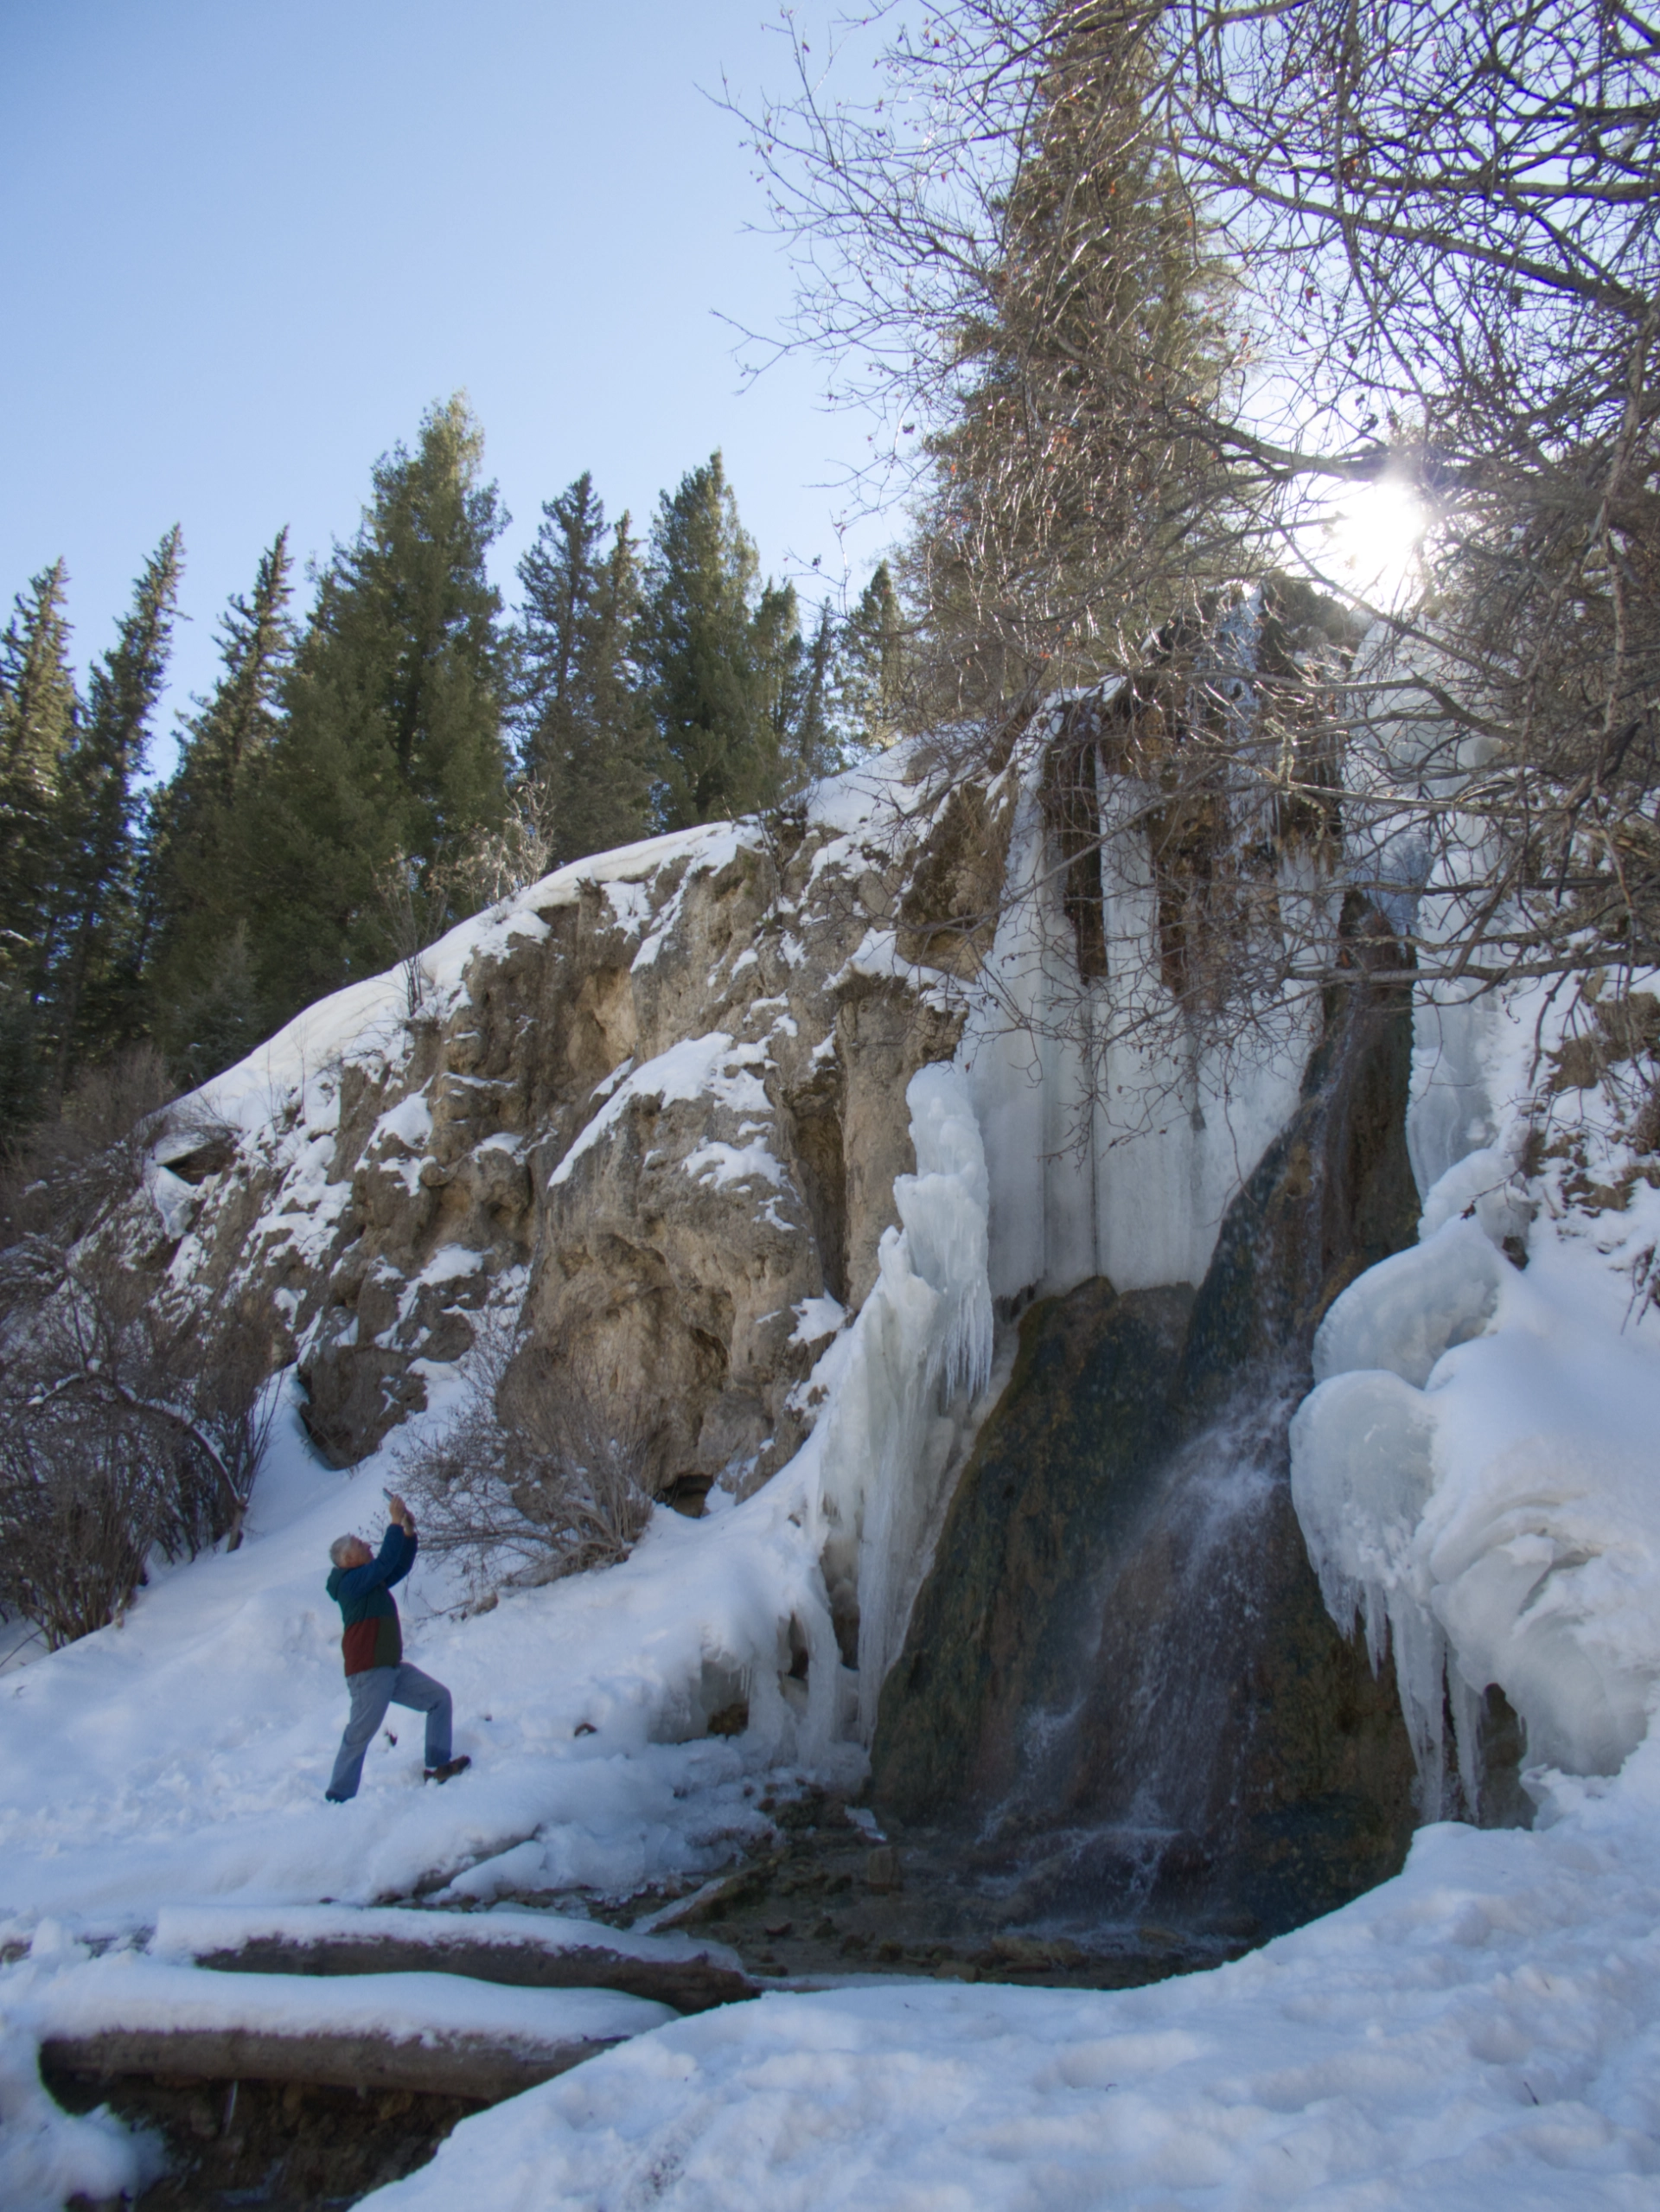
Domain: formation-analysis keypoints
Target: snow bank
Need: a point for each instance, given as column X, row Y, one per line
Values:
column 1485, row 2028
column 181, row 1757
column 48, row 2158
column 1477, row 1470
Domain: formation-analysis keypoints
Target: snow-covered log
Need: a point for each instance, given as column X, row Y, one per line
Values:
column 516, row 1950
column 432, row 2032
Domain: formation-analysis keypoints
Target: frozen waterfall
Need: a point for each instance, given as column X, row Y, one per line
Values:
column 1474, row 1473
column 900, row 1381
column 1107, row 1157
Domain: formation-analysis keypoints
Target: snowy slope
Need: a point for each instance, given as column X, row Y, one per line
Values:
column 183, row 1755
column 1487, row 2024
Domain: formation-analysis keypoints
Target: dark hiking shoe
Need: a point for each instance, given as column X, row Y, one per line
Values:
column 449, row 1767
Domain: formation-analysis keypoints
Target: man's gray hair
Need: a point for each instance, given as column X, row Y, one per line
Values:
column 340, row 1547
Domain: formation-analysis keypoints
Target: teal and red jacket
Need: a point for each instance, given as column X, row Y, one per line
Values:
column 372, row 1636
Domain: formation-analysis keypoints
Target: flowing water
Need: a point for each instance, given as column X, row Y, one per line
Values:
column 1120, row 1698
column 1129, row 1792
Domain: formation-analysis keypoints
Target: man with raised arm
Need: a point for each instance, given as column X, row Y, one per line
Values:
column 376, row 1676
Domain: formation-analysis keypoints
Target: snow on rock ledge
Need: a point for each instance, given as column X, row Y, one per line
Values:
column 652, row 1103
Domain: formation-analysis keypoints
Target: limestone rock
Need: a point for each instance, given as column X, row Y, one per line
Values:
column 660, row 1108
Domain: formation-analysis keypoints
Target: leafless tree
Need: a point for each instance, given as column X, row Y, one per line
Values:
column 1138, row 294
column 541, row 1471
column 89, row 1155
column 132, row 1416
column 415, row 913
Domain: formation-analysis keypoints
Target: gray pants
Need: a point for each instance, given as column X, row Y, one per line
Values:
column 373, row 1690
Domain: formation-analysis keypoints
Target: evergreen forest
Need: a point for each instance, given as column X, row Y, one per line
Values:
column 372, row 769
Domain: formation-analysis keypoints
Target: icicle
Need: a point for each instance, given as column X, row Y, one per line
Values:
column 922, row 1339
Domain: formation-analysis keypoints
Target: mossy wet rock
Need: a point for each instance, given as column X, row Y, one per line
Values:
column 1119, row 1678
column 1057, row 1482
column 1120, row 1685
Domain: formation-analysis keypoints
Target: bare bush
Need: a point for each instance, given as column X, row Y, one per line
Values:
column 128, row 1424
column 506, row 856
column 71, row 1169
column 541, row 1470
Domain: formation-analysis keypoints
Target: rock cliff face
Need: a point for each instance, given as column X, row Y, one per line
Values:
column 657, row 1103
column 655, row 1107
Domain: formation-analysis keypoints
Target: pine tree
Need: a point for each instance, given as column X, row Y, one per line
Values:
column 200, row 976
column 803, row 682
column 391, row 758
column 38, row 708
column 871, row 669
column 587, row 742
column 37, row 719
column 93, row 941
column 1073, row 508
column 719, row 661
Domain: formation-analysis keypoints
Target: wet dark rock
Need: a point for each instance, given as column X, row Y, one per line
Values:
column 1333, row 1195
column 803, row 1908
column 1060, row 1477
column 885, row 1870
column 287, row 2147
column 1120, row 1690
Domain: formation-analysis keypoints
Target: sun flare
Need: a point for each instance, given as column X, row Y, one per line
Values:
column 1372, row 542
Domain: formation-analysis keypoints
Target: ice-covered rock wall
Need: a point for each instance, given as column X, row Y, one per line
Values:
column 1476, row 1470
column 902, row 1384
column 765, row 1116
column 1108, row 1156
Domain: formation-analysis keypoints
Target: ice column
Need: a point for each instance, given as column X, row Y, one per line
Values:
column 921, row 1340
column 1115, row 1143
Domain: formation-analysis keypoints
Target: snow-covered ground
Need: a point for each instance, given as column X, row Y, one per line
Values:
column 183, row 1755
column 1480, row 1466
column 1482, row 2030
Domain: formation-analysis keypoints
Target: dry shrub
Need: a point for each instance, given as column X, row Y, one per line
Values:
column 128, row 1425
column 69, row 1171
column 541, row 1470
column 131, row 1421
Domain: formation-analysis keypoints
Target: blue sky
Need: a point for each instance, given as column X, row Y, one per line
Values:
column 248, row 241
